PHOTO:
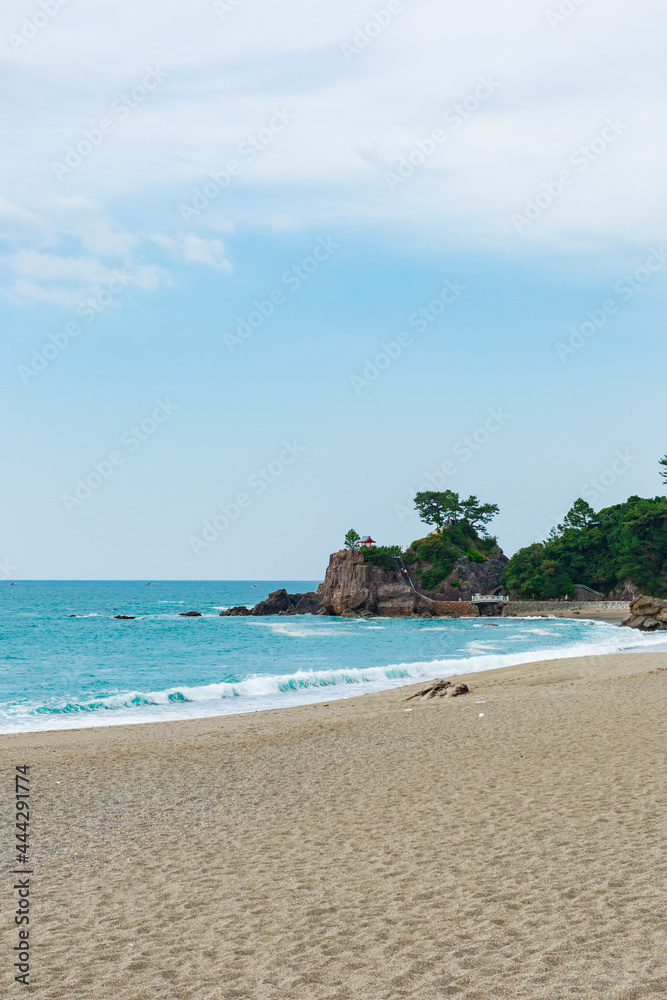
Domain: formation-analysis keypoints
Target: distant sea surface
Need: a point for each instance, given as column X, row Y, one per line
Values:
column 61, row 672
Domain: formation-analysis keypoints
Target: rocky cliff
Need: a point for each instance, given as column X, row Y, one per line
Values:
column 353, row 587
column 466, row 579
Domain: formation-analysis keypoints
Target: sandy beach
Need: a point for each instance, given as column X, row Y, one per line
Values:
column 506, row 843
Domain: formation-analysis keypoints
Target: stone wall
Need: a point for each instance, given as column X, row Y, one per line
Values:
column 518, row 608
column 455, row 609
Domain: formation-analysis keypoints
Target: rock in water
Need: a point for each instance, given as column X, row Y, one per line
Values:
column 190, row 614
column 126, row 618
column 279, row 602
column 648, row 614
column 276, row 603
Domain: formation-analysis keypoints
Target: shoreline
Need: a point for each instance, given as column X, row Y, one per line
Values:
column 504, row 842
column 326, row 689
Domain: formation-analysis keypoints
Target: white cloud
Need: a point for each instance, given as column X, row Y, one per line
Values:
column 63, row 281
column 283, row 224
column 557, row 86
column 21, row 291
column 209, row 252
column 47, row 266
column 149, row 276
column 195, row 250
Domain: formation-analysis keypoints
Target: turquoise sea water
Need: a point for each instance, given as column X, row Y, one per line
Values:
column 66, row 672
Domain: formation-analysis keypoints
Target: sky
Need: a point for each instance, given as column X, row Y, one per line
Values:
column 266, row 270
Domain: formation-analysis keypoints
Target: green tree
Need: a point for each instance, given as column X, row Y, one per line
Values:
column 531, row 573
column 580, row 515
column 447, row 508
column 438, row 508
column 625, row 542
column 352, row 539
column 663, row 462
column 478, row 514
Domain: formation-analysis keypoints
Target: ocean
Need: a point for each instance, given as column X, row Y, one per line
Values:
column 62, row 672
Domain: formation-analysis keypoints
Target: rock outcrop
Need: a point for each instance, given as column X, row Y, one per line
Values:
column 467, row 578
column 441, row 689
column 648, row 614
column 626, row 590
column 279, row 602
column 189, row 614
column 353, row 588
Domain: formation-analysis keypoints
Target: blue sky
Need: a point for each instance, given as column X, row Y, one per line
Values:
column 433, row 254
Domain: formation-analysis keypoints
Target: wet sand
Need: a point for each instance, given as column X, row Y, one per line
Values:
column 507, row 843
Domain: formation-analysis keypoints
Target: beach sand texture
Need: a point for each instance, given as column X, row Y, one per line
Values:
column 359, row 850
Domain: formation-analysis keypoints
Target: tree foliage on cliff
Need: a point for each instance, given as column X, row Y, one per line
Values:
column 446, row 509
column 382, row 555
column 625, row 542
column 441, row 552
column 352, row 539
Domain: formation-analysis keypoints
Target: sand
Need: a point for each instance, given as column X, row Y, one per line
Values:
column 358, row 850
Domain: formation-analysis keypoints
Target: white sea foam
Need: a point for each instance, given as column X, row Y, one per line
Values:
column 302, row 686
column 295, row 630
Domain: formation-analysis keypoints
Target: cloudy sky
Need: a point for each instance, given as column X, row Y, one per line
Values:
column 268, row 269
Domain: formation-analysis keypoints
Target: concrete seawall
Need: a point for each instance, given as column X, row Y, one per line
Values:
column 518, row 608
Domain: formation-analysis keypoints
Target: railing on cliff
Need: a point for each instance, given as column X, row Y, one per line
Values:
column 405, row 573
column 489, row 599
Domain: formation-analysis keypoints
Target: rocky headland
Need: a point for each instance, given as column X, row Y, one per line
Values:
column 355, row 587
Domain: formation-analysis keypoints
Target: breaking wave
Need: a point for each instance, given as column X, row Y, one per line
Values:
column 266, row 691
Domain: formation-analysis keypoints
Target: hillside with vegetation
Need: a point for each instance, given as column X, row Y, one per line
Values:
column 618, row 551
column 456, row 558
